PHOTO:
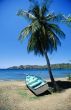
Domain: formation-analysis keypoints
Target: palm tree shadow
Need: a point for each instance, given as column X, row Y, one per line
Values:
column 62, row 84
column 45, row 93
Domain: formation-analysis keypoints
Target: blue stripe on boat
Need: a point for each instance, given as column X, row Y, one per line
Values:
column 34, row 82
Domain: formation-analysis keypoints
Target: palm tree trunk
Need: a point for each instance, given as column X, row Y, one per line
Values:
column 56, row 88
column 49, row 68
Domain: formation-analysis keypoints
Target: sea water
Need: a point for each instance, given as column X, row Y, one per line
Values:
column 18, row 74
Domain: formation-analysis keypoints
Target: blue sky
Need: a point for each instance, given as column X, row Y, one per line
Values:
column 12, row 52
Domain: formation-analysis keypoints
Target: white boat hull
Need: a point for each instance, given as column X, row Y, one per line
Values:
column 37, row 85
column 40, row 90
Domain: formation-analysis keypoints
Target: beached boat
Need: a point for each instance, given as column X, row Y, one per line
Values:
column 36, row 85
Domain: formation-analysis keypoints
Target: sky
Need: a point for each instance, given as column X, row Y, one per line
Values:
column 12, row 52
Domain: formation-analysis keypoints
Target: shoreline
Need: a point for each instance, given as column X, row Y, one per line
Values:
column 21, row 80
column 22, row 83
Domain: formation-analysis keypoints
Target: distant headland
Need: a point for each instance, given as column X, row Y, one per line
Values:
column 53, row 66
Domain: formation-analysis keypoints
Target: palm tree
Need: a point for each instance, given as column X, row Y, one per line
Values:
column 43, row 31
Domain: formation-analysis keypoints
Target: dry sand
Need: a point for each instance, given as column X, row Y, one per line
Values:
column 14, row 95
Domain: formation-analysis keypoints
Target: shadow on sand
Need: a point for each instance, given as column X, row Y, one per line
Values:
column 62, row 84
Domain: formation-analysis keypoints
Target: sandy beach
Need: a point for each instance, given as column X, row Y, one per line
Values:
column 14, row 95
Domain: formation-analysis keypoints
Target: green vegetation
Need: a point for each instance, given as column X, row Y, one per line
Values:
column 69, row 76
column 53, row 66
column 25, row 95
column 61, row 66
column 43, row 32
column 11, row 98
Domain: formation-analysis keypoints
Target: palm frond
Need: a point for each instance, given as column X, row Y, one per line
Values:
column 32, row 28
column 52, row 40
column 55, row 38
column 43, row 10
column 45, row 35
column 53, row 17
column 56, row 29
column 45, row 6
column 24, row 33
column 26, row 14
column 35, row 26
column 36, row 11
column 34, row 44
column 31, row 43
column 67, row 20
